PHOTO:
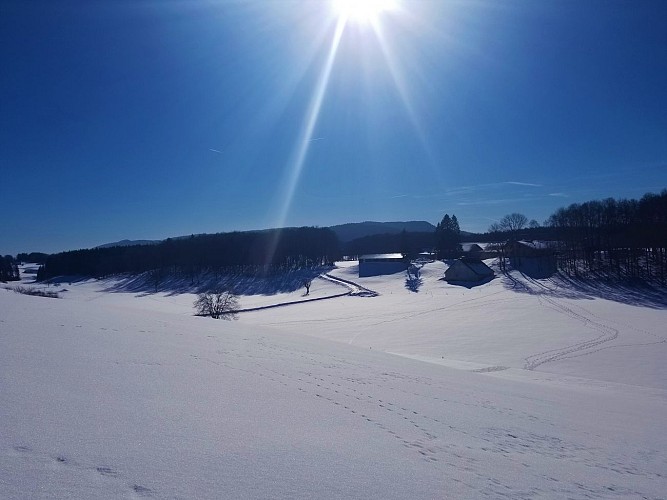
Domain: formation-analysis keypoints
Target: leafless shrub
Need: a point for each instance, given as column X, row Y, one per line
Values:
column 217, row 304
column 35, row 292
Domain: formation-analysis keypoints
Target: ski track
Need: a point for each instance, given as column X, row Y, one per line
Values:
column 430, row 427
column 607, row 333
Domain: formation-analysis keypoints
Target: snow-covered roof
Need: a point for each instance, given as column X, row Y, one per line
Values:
column 536, row 245
column 477, row 266
column 382, row 256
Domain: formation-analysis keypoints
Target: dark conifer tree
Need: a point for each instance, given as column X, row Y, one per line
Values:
column 448, row 237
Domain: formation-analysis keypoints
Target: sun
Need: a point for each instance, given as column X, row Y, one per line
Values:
column 362, row 11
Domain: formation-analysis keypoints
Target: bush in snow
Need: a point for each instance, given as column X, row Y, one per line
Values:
column 34, row 292
column 217, row 304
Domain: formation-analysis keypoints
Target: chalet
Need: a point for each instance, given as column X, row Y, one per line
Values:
column 379, row 264
column 468, row 270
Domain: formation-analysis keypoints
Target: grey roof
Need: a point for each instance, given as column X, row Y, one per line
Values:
column 477, row 266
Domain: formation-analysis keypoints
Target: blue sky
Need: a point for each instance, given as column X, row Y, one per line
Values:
column 148, row 119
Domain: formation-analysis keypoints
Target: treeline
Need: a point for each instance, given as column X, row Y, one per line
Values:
column 625, row 238
column 33, row 257
column 407, row 243
column 9, row 269
column 445, row 240
column 245, row 251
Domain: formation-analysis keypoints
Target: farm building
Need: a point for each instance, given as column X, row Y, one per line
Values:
column 471, row 249
column 535, row 258
column 426, row 256
column 477, row 251
column 384, row 263
column 468, row 270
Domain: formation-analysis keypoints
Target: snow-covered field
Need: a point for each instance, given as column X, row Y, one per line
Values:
column 514, row 389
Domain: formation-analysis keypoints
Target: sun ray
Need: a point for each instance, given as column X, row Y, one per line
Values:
column 404, row 93
column 305, row 137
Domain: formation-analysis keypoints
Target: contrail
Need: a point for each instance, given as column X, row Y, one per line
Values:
column 215, row 150
column 523, row 184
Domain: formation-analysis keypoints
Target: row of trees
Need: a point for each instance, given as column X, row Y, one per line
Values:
column 407, row 243
column 9, row 269
column 626, row 238
column 622, row 238
column 34, row 257
column 246, row 252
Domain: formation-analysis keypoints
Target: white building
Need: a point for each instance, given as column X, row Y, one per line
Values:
column 382, row 263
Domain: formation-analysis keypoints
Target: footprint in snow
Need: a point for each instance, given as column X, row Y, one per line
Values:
column 107, row 471
column 142, row 491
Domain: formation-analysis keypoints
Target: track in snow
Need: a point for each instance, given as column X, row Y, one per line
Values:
column 606, row 333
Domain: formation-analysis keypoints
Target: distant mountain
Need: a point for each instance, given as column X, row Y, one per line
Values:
column 354, row 230
column 345, row 232
column 129, row 243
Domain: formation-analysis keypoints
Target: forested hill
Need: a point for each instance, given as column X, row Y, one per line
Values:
column 276, row 248
column 354, row 230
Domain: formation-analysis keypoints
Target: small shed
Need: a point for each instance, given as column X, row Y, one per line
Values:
column 382, row 263
column 468, row 270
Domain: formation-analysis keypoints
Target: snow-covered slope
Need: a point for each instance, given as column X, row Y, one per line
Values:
column 113, row 395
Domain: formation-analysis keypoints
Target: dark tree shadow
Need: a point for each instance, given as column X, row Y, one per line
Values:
column 413, row 279
column 469, row 284
column 413, row 283
column 240, row 283
column 633, row 292
column 537, row 268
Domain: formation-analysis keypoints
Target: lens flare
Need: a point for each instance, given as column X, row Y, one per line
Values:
column 362, row 11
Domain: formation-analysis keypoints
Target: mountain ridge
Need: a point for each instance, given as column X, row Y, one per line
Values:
column 345, row 232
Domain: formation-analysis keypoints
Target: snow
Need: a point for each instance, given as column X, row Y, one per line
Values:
column 514, row 389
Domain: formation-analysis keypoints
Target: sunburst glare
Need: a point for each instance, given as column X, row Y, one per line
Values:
column 366, row 12
column 362, row 11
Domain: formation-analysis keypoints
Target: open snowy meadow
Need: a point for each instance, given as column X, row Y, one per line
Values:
column 517, row 388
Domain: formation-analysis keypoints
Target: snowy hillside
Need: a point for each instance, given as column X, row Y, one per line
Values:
column 514, row 389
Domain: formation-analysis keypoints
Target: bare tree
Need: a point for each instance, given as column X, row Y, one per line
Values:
column 217, row 304
column 513, row 222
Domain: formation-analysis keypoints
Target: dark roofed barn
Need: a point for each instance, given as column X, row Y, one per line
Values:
column 468, row 270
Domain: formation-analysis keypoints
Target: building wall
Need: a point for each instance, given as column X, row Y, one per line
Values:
column 459, row 272
column 374, row 268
